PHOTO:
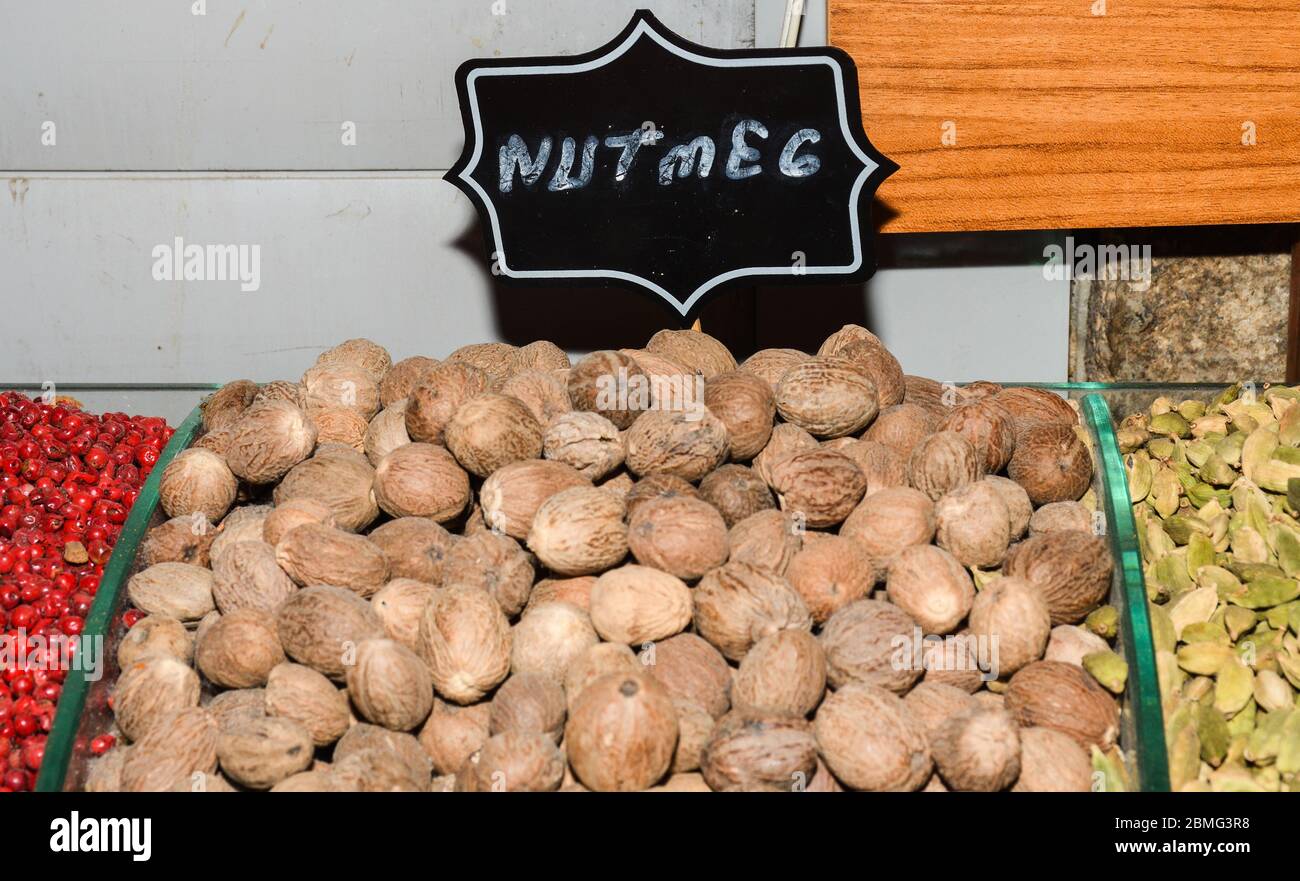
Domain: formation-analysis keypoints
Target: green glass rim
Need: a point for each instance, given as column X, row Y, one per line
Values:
column 60, row 746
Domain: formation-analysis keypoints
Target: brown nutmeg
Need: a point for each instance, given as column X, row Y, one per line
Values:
column 498, row 360
column 691, row 670
column 654, row 486
column 746, row 406
column 224, row 406
column 341, row 425
column 684, row 537
column 786, row 440
column 901, row 427
column 865, row 642
column 177, row 590
column 197, row 482
column 1011, row 615
column 431, row 405
column 932, row 586
column 759, row 752
column 942, row 462
column 694, row 731
column 155, row 635
column 281, row 390
column 541, row 355
column 768, row 539
column 881, row 465
column 386, row 432
column 686, row 444
column 184, row 539
column 232, row 708
column 240, row 649
column 361, row 353
column 637, row 604
column 783, row 674
column 490, row 431
column 1061, row 517
column 1070, row 570
column 1065, row 698
column 770, row 365
column 341, row 386
column 1019, row 508
column 1032, row 407
column 415, row 548
column 587, row 441
column 399, row 605
column 549, row 637
column 317, row 554
column 932, row 704
column 512, row 495
column 308, row 698
column 596, row 661
column 376, row 769
column 293, row 513
column 172, row 754
column 827, row 396
column 317, row 624
column 959, row 660
column 341, row 479
column 466, row 642
column 821, row 485
column 563, row 590
column 580, row 531
column 612, row 384
column 529, row 703
column 269, row 439
column 978, row 751
column 453, row 733
column 363, row 737
column 928, row 393
column 494, row 563
column 544, row 392
column 736, row 605
column 245, row 523
column 403, row 377
column 880, row 366
column 149, row 690
column 262, row 752
column 247, row 576
column 973, row 524
column 1052, row 464
column 890, row 520
column 989, row 428
column 736, row 492
column 622, row 733
column 695, row 350
column 389, row 685
column 829, row 573
column 1052, row 761
column 870, row 741
column 514, row 761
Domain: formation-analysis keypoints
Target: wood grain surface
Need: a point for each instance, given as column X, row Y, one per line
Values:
column 1057, row 117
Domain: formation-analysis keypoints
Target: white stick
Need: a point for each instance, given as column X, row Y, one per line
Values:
column 793, row 19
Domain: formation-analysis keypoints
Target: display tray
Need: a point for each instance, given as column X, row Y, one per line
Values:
column 84, row 710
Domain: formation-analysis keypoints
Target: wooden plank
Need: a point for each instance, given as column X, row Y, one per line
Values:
column 1060, row 118
column 1293, row 325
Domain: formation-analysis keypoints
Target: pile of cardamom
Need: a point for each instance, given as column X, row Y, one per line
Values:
column 1216, row 495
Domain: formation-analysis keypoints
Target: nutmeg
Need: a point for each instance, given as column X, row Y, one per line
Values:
column 376, row 769
column 686, row 444
column 770, row 365
column 736, row 605
column 328, row 386
column 1012, row 616
column 262, row 752
column 622, row 733
column 269, row 439
column 431, row 405
column 389, row 685
column 932, row 704
column 544, row 392
column 612, row 384
column 240, row 650
column 308, row 698
column 697, row 351
column 973, row 524
column 881, row 465
column 497, row 360
column 317, row 625
column 637, row 604
column 224, row 406
column 341, row 425
column 694, row 731
column 682, row 536
column 596, row 661
column 490, row 431
column 494, row 563
column 821, row 485
column 184, row 539
column 512, row 495
column 690, row 669
column 829, row 573
column 864, row 642
column 234, row 707
column 587, row 441
column 768, row 539
column 759, row 752
column 197, row 481
column 1052, row 464
column 399, row 605
column 364, row 737
column 403, row 377
column 1052, row 761
column 542, row 355
column 1019, row 508
column 361, row 353
column 932, row 586
column 386, row 432
column 466, row 642
column 177, row 590
column 281, row 390
column 827, row 396
column 978, row 751
column 548, row 637
column 989, row 428
column 453, row 733
column 1070, row 570
column 1061, row 517
column 514, row 761
column 736, row 492
column 562, row 590
column 181, row 747
column 415, row 548
column 317, row 554
column 901, row 427
column 1033, row 407
column 783, row 674
column 155, row 635
column 342, row 480
column 151, row 688
column 654, row 486
column 889, row 521
column 247, row 576
column 786, row 440
column 245, row 523
column 528, row 703
column 870, row 741
column 580, row 531
column 1063, row 697
column 942, row 462
column 958, row 660
column 747, row 407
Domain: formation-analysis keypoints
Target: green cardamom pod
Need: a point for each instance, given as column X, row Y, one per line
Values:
column 1198, row 451
column 1198, row 688
column 1108, row 771
column 1212, row 732
column 1206, row 631
column 1131, row 439
column 1229, row 449
column 1163, row 633
column 1182, row 527
column 1237, row 620
column 1184, row 757
column 1200, row 552
column 1200, row 494
column 1220, row 580
column 1289, row 666
column 1288, row 752
column 1227, row 396
column 1210, row 426
column 1249, row 572
column 1103, row 621
column 1257, row 451
column 1266, row 739
column 1216, row 471
column 1293, row 618
column 1276, row 476
column 1249, row 546
column 1170, row 424
column 1288, row 426
column 1264, row 593
column 1234, row 687
column 1183, row 471
column 1279, row 617
column 1243, row 723
column 1293, row 494
column 1272, row 692
column 1191, row 410
column 1203, row 658
column 1140, row 474
column 1159, row 543
column 1287, row 455
column 1108, row 668
column 1161, row 448
column 1286, row 544
column 1171, row 678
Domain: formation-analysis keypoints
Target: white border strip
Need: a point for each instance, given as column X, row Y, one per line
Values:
column 643, row 29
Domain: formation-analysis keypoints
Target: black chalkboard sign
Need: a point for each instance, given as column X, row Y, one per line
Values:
column 669, row 166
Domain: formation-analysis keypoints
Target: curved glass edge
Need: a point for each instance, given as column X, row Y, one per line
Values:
column 1143, row 693
column 67, row 718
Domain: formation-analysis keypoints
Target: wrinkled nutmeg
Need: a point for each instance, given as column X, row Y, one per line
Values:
column 768, row 540
column 821, row 485
column 973, row 524
column 247, row 576
column 421, row 480
column 268, row 440
column 865, row 641
column 932, row 586
column 686, row 444
column 829, row 573
column 1052, row 464
column 759, row 752
column 1011, row 614
column 682, row 536
column 692, row 670
column 549, row 637
column 637, row 604
column 580, row 531
column 942, row 462
column 490, row 431
column 587, row 441
column 318, row 554
column 1065, row 698
column 828, row 396
column 736, row 605
column 737, row 492
column 888, row 521
column 870, row 741
column 494, row 563
column 240, row 649
column 512, row 495
column 622, row 733
column 389, row 685
column 978, row 752
column 415, row 548
column 197, row 481
column 1071, row 570
column 783, row 674
column 466, row 642
column 317, row 624
column 746, row 406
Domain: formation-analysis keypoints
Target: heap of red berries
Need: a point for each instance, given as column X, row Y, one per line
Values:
column 67, row 481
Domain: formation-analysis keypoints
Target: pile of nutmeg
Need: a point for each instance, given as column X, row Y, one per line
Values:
column 650, row 569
